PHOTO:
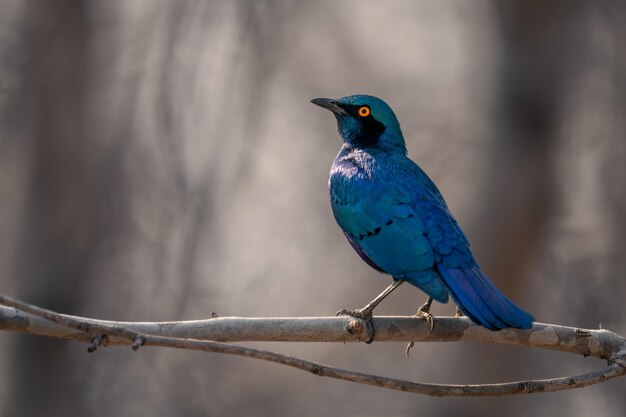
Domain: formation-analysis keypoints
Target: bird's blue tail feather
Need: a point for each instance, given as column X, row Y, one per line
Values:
column 480, row 300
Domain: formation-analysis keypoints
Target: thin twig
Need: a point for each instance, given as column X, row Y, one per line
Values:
column 437, row 390
column 184, row 335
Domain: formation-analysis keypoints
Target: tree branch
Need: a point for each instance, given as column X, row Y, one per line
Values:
column 205, row 335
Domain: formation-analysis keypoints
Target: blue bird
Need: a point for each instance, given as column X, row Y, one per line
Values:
column 396, row 219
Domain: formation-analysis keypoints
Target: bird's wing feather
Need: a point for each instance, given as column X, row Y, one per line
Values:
column 448, row 241
column 388, row 233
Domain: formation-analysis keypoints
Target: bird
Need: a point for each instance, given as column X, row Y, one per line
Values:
column 397, row 221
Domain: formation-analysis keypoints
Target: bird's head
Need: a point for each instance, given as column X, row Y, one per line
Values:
column 365, row 121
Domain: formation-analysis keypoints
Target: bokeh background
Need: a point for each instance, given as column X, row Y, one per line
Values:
column 160, row 160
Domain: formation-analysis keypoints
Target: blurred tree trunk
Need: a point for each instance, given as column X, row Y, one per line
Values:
column 537, row 38
column 64, row 205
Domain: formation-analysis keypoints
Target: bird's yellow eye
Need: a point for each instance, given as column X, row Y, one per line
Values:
column 364, row 111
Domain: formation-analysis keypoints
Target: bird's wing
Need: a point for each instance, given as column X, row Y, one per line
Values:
column 449, row 243
column 388, row 233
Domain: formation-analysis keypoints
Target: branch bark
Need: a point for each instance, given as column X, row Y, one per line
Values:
column 206, row 335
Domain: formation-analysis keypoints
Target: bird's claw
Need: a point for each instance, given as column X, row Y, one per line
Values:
column 366, row 316
column 425, row 315
column 422, row 314
column 458, row 313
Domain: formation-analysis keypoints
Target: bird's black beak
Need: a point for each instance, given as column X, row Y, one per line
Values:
column 329, row 104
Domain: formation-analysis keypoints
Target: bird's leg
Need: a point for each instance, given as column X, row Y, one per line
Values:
column 365, row 313
column 423, row 313
column 458, row 313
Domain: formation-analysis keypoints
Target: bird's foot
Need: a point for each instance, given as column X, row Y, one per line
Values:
column 361, row 314
column 426, row 315
column 458, row 313
column 423, row 313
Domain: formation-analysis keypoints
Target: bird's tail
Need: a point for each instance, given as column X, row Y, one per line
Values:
column 481, row 301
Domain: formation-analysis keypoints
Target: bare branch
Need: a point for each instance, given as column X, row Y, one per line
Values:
column 602, row 344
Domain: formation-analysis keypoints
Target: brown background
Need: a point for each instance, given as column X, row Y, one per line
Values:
column 160, row 160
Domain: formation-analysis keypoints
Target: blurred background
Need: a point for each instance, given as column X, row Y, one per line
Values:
column 160, row 160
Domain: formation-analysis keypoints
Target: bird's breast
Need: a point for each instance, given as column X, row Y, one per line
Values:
column 356, row 164
column 351, row 179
